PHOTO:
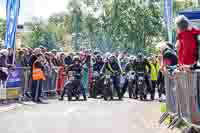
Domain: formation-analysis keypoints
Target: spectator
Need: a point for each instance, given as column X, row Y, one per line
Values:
column 20, row 58
column 3, row 65
column 186, row 41
column 27, row 56
column 68, row 60
column 48, row 72
column 10, row 56
column 38, row 77
column 168, row 56
column 33, row 57
column 61, row 73
column 54, row 51
column 54, row 59
column 168, row 59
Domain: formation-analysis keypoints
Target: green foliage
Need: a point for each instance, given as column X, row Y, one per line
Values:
column 181, row 5
column 40, row 36
column 2, row 28
column 131, row 25
column 136, row 26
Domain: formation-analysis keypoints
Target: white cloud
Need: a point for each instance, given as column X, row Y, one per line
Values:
column 40, row 8
column 44, row 8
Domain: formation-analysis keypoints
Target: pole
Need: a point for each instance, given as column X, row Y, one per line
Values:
column 168, row 4
column 14, row 49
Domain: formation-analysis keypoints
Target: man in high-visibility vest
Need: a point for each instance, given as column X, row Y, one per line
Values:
column 37, row 77
column 154, row 76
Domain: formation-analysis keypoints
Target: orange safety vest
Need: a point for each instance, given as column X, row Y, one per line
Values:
column 37, row 73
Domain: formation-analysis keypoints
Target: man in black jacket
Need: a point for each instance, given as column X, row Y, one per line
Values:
column 140, row 64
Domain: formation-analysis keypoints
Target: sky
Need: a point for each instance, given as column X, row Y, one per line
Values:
column 38, row 8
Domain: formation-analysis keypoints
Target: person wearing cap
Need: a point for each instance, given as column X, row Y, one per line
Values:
column 54, row 51
column 43, row 49
column 167, row 55
column 168, row 59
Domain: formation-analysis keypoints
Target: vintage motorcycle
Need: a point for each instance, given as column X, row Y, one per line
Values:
column 97, row 85
column 72, row 86
column 141, row 85
column 132, row 84
column 108, row 87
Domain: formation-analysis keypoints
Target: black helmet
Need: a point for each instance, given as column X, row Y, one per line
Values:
column 140, row 56
column 76, row 58
column 99, row 57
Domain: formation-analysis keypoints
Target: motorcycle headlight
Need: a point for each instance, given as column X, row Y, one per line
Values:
column 107, row 76
column 141, row 78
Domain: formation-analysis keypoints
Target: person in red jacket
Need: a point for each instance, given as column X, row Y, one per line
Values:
column 186, row 41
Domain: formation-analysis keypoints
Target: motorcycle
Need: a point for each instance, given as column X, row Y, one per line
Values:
column 141, row 85
column 108, row 87
column 131, row 84
column 121, row 79
column 72, row 86
column 97, row 85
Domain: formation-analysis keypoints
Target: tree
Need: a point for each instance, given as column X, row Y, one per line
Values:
column 60, row 24
column 2, row 28
column 181, row 5
column 135, row 25
column 40, row 36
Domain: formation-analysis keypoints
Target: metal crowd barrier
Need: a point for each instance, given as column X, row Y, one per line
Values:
column 183, row 100
column 19, row 83
column 188, row 86
column 171, row 101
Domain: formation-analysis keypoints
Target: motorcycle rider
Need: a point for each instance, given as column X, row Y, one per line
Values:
column 141, row 64
column 113, row 66
column 98, row 64
column 77, row 68
column 130, row 65
column 97, row 74
column 130, row 68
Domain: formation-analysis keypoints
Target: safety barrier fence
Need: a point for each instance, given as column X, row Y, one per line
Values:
column 183, row 100
column 19, row 82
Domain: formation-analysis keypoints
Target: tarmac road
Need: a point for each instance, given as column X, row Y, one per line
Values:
column 93, row 116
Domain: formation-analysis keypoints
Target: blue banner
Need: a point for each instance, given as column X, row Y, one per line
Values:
column 15, row 78
column 168, row 17
column 12, row 13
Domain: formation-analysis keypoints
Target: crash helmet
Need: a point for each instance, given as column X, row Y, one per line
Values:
column 140, row 57
column 76, row 58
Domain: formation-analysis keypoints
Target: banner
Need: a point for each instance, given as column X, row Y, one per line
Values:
column 14, row 78
column 12, row 13
column 14, row 82
column 168, row 17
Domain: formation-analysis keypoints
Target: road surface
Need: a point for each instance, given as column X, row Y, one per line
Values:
column 93, row 116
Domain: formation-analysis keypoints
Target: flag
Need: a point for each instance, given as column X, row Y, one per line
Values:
column 168, row 17
column 12, row 13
